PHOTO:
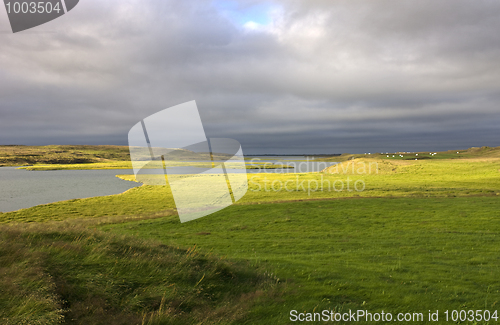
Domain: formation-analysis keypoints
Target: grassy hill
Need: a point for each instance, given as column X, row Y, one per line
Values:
column 118, row 157
column 70, row 274
column 470, row 153
column 101, row 157
column 31, row 155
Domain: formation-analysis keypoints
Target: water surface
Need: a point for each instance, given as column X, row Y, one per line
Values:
column 20, row 188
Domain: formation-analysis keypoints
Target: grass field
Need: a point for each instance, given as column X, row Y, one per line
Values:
column 421, row 235
column 474, row 152
column 396, row 255
column 72, row 274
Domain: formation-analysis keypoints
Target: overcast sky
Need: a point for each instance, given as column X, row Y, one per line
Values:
column 294, row 76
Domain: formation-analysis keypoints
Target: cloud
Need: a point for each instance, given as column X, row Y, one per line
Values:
column 314, row 76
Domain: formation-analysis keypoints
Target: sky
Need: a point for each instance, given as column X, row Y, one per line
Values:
column 283, row 77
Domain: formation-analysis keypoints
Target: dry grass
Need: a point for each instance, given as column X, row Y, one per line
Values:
column 30, row 155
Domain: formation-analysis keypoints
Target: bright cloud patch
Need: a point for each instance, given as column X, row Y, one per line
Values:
column 249, row 15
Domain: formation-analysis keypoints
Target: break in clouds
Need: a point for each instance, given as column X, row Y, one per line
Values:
column 278, row 76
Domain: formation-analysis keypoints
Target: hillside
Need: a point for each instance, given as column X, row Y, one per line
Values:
column 474, row 152
column 58, row 273
column 107, row 156
column 30, row 155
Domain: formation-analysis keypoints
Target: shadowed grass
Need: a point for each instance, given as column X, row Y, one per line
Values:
column 51, row 273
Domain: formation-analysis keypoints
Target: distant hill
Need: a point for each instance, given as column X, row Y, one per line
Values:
column 474, row 152
column 29, row 155
column 17, row 155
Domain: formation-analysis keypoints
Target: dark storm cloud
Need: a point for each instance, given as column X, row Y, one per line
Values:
column 322, row 76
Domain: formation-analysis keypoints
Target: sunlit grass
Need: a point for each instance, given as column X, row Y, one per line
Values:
column 395, row 255
column 440, row 178
column 422, row 234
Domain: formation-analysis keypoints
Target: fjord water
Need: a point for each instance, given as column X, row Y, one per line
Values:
column 21, row 189
column 24, row 189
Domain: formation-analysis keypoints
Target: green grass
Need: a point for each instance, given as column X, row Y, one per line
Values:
column 439, row 178
column 53, row 274
column 396, row 255
column 422, row 235
column 471, row 153
column 112, row 157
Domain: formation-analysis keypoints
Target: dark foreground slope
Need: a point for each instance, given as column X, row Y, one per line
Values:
column 50, row 275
